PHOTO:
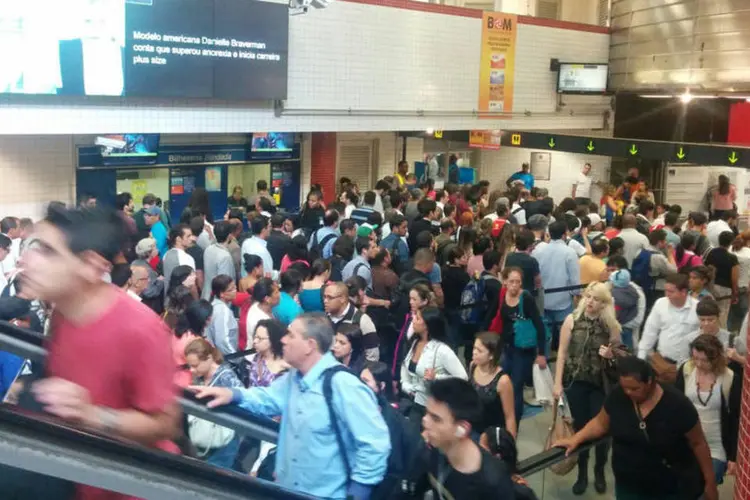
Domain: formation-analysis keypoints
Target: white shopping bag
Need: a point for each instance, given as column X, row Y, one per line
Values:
column 543, row 385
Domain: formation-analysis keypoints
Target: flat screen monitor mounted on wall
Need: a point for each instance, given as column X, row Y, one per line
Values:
column 128, row 149
column 223, row 49
column 582, row 78
column 274, row 146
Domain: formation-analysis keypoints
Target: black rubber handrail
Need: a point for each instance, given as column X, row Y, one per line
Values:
column 50, row 431
column 28, row 344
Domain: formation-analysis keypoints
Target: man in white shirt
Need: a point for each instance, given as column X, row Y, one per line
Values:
column 582, row 186
column 5, row 246
column 10, row 227
column 716, row 227
column 180, row 238
column 671, row 322
column 256, row 245
column 633, row 241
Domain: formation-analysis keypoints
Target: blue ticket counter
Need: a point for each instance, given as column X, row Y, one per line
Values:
column 178, row 170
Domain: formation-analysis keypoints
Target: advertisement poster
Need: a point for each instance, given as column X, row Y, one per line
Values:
column 485, row 139
column 138, row 189
column 213, row 179
column 497, row 62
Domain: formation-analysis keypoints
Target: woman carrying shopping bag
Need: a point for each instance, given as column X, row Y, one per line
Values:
column 585, row 338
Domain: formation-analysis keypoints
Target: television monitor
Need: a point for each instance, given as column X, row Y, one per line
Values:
column 582, row 78
column 223, row 49
column 128, row 149
column 270, row 142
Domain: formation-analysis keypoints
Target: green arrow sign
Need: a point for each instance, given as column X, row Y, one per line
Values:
column 681, row 153
column 551, row 142
column 633, row 149
column 590, row 146
column 733, row 158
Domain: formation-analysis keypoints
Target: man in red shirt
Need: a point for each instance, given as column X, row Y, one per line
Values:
column 109, row 366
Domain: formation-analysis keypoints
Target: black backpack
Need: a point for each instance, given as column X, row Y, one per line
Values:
column 316, row 249
column 404, row 463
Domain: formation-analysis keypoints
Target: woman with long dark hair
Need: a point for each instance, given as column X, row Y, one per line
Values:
column 191, row 325
column 493, row 385
column 723, row 197
column 428, row 358
column 223, row 329
column 348, row 347
column 684, row 255
column 311, row 295
column 297, row 252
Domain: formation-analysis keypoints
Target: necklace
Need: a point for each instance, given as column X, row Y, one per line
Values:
column 698, row 392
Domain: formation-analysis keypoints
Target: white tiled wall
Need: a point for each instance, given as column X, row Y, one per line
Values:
column 497, row 166
column 35, row 170
column 382, row 63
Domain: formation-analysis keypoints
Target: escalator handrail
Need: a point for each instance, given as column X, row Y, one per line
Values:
column 548, row 458
column 28, row 344
column 117, row 465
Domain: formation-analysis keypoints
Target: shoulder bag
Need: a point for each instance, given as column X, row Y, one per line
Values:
column 206, row 435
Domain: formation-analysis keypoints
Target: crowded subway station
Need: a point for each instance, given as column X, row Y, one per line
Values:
column 257, row 249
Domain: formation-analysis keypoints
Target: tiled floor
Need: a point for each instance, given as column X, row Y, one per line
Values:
column 548, row 486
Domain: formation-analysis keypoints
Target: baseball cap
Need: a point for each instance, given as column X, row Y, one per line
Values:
column 537, row 222
column 364, row 230
column 154, row 210
column 595, row 219
column 620, row 279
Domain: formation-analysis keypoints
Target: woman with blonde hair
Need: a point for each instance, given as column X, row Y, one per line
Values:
column 586, row 337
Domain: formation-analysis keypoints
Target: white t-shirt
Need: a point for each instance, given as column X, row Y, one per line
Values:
column 583, row 186
column 743, row 255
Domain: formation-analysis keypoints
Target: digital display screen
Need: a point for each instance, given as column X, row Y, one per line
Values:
column 575, row 78
column 272, row 141
column 224, row 49
column 129, row 145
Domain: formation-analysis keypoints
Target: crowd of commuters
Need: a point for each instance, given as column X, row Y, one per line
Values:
column 436, row 304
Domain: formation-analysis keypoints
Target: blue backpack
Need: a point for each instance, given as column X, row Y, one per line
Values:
column 640, row 270
column 473, row 306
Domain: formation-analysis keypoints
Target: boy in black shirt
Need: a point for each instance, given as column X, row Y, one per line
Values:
column 458, row 468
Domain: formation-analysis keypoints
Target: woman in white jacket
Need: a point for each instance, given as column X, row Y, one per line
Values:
column 428, row 358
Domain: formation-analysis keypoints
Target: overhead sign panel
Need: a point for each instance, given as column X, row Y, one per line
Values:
column 704, row 154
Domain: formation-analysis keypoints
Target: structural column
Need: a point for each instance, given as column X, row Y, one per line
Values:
column 323, row 163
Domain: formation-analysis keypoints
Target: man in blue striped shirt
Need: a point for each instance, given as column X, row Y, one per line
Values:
column 308, row 457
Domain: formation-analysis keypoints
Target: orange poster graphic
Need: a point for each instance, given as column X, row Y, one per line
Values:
column 497, row 62
column 485, row 139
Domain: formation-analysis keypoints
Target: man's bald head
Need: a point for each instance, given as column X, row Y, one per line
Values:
column 628, row 221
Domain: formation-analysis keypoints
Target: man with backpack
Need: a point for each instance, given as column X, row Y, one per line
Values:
column 395, row 243
column 321, row 242
column 652, row 265
column 311, row 400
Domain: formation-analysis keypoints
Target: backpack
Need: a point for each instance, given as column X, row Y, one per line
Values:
column 473, row 305
column 400, row 478
column 640, row 270
column 316, row 249
column 396, row 263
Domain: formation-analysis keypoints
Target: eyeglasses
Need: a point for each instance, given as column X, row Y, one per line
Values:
column 259, row 339
column 331, row 297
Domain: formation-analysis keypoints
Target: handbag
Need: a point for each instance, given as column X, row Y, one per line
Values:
column 524, row 331
column 666, row 371
column 562, row 428
column 609, row 366
column 206, row 435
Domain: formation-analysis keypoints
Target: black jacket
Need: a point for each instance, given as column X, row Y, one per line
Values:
column 492, row 287
column 730, row 409
column 278, row 245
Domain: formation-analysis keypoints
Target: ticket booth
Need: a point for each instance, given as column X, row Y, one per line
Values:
column 176, row 171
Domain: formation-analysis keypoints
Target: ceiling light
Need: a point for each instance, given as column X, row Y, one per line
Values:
column 430, row 131
column 686, row 97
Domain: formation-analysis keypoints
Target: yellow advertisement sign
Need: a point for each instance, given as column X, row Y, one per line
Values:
column 497, row 62
column 485, row 139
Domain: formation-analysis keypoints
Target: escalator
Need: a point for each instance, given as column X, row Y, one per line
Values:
column 45, row 445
